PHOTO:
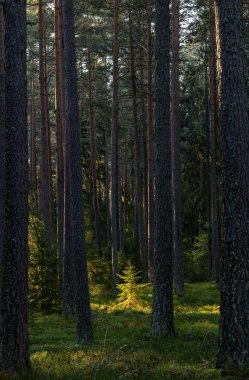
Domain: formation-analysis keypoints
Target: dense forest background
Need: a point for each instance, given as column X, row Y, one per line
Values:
column 124, row 189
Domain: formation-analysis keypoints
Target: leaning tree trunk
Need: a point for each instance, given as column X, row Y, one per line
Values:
column 14, row 342
column 176, row 154
column 162, row 315
column 82, row 298
column 234, row 319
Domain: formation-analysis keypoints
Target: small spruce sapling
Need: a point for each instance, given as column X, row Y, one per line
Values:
column 129, row 290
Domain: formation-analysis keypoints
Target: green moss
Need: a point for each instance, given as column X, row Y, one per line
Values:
column 123, row 347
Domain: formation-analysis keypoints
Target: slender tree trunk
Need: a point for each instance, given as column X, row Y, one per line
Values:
column 33, row 150
column 14, row 342
column 59, row 137
column 162, row 315
column 143, row 139
column 2, row 129
column 93, row 156
column 234, row 319
column 107, row 191
column 151, row 211
column 45, row 167
column 138, row 160
column 82, row 298
column 215, row 249
column 115, row 208
column 176, row 154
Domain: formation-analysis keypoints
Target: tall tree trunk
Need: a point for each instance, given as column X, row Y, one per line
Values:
column 162, row 315
column 234, row 319
column 138, row 160
column 82, row 298
column 59, row 137
column 143, row 139
column 176, row 154
column 93, row 156
column 2, row 129
column 45, row 166
column 215, row 249
column 115, row 208
column 107, row 191
column 14, row 342
column 33, row 150
column 151, row 211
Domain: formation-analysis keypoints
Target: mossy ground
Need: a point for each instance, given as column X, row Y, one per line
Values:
column 123, row 347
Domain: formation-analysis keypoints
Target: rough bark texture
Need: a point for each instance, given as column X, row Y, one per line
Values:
column 2, row 129
column 14, row 346
column 59, row 137
column 92, row 125
column 176, row 154
column 138, row 160
column 151, row 212
column 234, row 319
column 82, row 298
column 45, row 166
column 114, row 200
column 215, row 249
column 162, row 315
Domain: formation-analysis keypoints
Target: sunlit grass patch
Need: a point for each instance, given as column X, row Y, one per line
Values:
column 123, row 347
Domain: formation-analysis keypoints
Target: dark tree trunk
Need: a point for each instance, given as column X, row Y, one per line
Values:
column 234, row 319
column 93, row 156
column 138, row 160
column 215, row 249
column 82, row 298
column 151, row 212
column 107, row 191
column 2, row 129
column 14, row 342
column 176, row 155
column 115, row 208
column 33, row 150
column 45, row 166
column 162, row 315
column 59, row 139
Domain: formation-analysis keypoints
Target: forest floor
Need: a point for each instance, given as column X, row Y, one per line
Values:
column 123, row 347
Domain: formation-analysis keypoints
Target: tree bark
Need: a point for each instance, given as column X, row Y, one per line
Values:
column 45, row 166
column 215, row 249
column 14, row 342
column 138, row 160
column 114, row 200
column 59, row 137
column 2, row 129
column 82, row 297
column 234, row 319
column 162, row 314
column 150, row 112
column 93, row 156
column 176, row 154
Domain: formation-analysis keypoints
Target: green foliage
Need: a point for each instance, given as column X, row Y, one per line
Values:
column 129, row 289
column 123, row 348
column 43, row 276
column 100, row 273
column 196, row 259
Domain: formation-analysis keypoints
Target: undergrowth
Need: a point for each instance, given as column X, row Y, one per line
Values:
column 123, row 347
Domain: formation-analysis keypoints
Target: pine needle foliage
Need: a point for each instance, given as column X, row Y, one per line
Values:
column 129, row 289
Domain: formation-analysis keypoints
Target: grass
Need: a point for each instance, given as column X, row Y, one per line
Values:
column 123, row 347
